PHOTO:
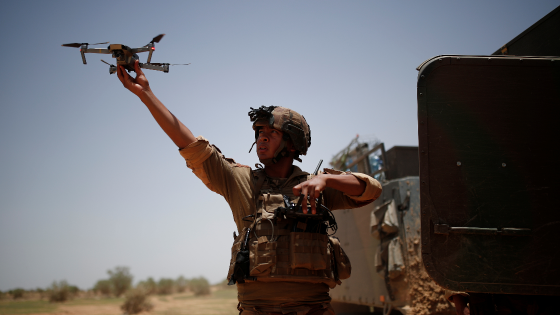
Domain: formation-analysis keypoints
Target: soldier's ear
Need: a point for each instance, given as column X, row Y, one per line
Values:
column 290, row 146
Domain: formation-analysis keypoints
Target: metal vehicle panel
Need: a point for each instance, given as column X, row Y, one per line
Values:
column 488, row 174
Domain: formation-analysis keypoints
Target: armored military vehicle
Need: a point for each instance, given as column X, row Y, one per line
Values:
column 480, row 217
column 382, row 239
column 488, row 170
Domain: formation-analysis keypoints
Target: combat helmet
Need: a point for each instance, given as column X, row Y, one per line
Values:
column 291, row 123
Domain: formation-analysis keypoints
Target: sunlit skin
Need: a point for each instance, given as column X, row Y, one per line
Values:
column 179, row 133
column 268, row 137
column 268, row 141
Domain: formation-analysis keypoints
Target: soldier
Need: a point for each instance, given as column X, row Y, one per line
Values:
column 281, row 264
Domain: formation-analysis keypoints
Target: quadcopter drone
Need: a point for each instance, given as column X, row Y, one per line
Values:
column 125, row 55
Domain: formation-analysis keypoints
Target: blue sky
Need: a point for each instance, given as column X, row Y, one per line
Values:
column 88, row 181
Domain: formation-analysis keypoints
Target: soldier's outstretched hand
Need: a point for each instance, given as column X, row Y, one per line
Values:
column 136, row 85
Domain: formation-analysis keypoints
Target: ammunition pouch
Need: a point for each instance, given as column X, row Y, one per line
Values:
column 275, row 252
column 309, row 251
column 290, row 256
column 263, row 256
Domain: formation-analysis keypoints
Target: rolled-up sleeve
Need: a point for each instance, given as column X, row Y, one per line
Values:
column 195, row 154
column 373, row 188
column 335, row 199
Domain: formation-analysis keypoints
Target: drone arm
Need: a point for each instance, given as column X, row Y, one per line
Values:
column 96, row 51
column 149, row 47
column 139, row 50
column 84, row 49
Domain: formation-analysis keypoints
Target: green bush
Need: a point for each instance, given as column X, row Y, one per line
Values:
column 73, row 289
column 59, row 292
column 199, row 286
column 181, row 284
column 136, row 301
column 121, row 280
column 165, row 286
column 149, row 286
column 103, row 287
column 17, row 293
column 41, row 292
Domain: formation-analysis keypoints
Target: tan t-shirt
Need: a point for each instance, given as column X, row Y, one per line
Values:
column 236, row 183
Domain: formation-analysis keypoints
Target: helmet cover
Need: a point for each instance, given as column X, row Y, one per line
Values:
column 291, row 123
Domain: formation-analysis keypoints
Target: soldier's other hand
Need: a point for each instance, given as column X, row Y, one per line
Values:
column 137, row 85
column 310, row 189
column 461, row 305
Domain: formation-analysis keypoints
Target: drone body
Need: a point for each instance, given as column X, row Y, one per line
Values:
column 125, row 55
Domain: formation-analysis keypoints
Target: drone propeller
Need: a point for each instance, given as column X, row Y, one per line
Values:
column 157, row 38
column 78, row 45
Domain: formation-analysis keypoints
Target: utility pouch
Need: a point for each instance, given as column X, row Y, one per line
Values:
column 343, row 268
column 262, row 256
column 309, row 251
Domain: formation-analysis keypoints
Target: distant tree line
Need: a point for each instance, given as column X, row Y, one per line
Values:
column 119, row 283
column 58, row 292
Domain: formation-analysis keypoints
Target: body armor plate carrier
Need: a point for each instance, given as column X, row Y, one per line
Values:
column 283, row 244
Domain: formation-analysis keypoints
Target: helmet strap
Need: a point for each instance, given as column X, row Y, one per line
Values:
column 280, row 153
column 251, row 149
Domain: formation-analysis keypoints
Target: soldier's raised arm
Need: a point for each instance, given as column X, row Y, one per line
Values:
column 173, row 127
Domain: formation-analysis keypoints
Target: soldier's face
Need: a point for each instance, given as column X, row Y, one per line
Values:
column 268, row 142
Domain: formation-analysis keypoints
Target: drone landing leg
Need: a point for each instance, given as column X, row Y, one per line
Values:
column 83, row 52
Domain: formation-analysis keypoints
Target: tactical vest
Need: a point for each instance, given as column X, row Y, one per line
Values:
column 283, row 249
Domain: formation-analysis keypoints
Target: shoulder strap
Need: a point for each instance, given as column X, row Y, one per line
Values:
column 258, row 180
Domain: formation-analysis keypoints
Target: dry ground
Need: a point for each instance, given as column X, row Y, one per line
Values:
column 220, row 302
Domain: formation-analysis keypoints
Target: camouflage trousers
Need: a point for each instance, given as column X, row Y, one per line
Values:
column 317, row 309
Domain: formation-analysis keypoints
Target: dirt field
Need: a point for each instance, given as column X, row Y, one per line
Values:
column 220, row 302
